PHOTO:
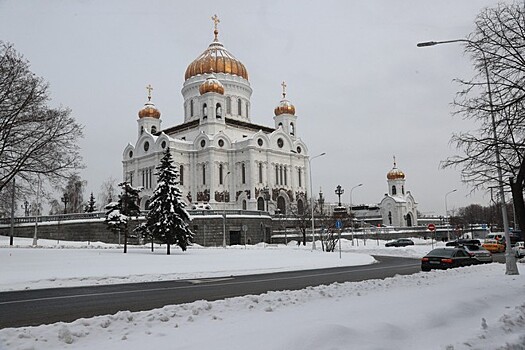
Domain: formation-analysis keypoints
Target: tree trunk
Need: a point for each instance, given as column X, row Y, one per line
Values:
column 519, row 204
column 126, row 238
column 168, row 248
column 304, row 237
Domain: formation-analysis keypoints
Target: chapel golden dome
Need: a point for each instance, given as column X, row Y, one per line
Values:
column 211, row 84
column 284, row 107
column 149, row 110
column 395, row 173
column 216, row 59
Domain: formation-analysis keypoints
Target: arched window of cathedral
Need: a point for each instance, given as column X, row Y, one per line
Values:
column 300, row 207
column 300, row 178
column 280, row 142
column 276, row 174
column 281, row 175
column 221, row 143
column 239, row 107
column 390, row 218
column 220, row 174
column 260, row 173
column 402, row 189
column 299, row 150
column 204, row 174
column 229, row 105
column 141, row 129
column 130, row 154
column 191, row 108
column 243, row 173
column 409, row 220
column 260, row 142
column 203, row 143
column 260, row 204
column 153, row 129
column 204, row 111
column 394, row 191
column 163, row 144
column 292, row 129
column 146, row 146
column 285, row 176
column 280, row 125
column 218, row 110
column 244, row 204
column 247, row 110
column 181, row 175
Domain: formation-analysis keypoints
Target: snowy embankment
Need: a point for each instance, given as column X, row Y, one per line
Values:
column 476, row 307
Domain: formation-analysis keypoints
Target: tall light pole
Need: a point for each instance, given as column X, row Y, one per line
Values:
column 351, row 219
column 447, row 221
column 312, row 195
column 510, row 260
column 224, row 212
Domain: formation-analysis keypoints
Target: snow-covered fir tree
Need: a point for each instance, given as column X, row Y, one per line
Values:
column 118, row 214
column 90, row 206
column 167, row 219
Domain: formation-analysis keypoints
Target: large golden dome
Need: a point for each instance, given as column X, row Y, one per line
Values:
column 395, row 173
column 211, row 84
column 216, row 59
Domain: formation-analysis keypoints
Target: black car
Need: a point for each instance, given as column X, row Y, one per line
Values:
column 400, row 242
column 459, row 242
column 445, row 258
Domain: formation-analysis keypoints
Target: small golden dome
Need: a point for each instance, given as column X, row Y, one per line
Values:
column 149, row 110
column 211, row 84
column 284, row 107
column 216, row 59
column 395, row 173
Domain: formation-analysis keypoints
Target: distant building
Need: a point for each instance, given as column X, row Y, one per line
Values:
column 224, row 160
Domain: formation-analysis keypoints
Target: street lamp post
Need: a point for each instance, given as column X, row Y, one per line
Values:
column 224, row 213
column 446, row 214
column 312, row 196
column 351, row 219
column 65, row 200
column 511, row 267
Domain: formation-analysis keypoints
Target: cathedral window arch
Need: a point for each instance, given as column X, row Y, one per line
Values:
column 247, row 110
column 260, row 204
column 280, row 125
column 390, row 218
column 285, row 176
column 204, row 111
column 181, row 175
column 292, row 129
column 221, row 174
column 191, row 108
column 244, row 204
column 300, row 177
column 260, row 173
column 229, row 105
column 300, row 207
column 243, row 173
column 276, row 174
column 204, row 174
column 394, row 190
column 239, row 107
column 153, row 129
column 402, row 189
column 142, row 129
column 281, row 175
column 218, row 110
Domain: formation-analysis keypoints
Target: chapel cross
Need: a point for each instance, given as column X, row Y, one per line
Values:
column 149, row 88
column 283, row 84
column 216, row 21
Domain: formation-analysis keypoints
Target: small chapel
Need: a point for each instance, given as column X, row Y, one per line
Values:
column 224, row 160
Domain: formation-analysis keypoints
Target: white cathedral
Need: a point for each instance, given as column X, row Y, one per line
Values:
column 224, row 160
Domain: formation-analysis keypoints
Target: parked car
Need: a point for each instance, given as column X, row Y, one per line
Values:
column 493, row 246
column 400, row 242
column 458, row 242
column 445, row 258
column 482, row 255
column 519, row 249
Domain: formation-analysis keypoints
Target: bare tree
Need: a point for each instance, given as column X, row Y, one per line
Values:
column 497, row 44
column 34, row 138
column 108, row 192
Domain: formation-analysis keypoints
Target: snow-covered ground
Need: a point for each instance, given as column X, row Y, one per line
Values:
column 477, row 307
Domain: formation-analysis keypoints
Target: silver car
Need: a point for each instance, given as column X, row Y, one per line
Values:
column 519, row 249
column 479, row 253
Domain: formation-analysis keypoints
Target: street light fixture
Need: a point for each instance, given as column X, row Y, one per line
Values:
column 224, row 212
column 511, row 267
column 447, row 221
column 351, row 219
column 312, row 196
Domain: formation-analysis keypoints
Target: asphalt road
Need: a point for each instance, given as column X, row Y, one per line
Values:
column 43, row 306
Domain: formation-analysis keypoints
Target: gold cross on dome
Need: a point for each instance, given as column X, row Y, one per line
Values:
column 216, row 21
column 395, row 161
column 283, row 84
column 149, row 88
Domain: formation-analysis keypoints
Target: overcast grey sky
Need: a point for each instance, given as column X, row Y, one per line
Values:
column 362, row 90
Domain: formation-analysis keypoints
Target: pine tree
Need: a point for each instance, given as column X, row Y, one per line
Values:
column 90, row 206
column 167, row 219
column 119, row 213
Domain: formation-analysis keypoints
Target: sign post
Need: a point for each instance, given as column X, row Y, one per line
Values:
column 339, row 226
column 432, row 228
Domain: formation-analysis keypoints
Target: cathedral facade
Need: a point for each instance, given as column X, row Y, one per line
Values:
column 224, row 160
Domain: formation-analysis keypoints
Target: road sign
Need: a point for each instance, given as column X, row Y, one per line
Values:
column 431, row 227
column 338, row 224
column 244, row 228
